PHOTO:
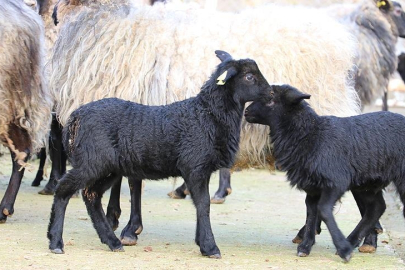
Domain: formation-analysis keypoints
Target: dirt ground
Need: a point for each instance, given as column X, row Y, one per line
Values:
column 253, row 230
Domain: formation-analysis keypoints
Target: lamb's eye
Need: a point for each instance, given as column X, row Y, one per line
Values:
column 249, row 77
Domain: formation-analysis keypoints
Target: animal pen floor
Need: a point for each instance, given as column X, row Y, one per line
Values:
column 253, row 229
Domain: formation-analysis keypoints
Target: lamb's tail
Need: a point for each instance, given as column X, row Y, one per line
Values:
column 70, row 134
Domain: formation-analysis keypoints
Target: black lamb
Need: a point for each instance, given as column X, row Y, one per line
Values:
column 326, row 156
column 111, row 138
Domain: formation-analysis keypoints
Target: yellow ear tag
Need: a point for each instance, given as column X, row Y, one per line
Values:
column 221, row 78
column 381, row 3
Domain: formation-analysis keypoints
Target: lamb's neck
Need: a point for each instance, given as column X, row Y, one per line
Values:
column 223, row 108
column 292, row 130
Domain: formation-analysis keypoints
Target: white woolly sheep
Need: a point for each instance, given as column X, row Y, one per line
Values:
column 104, row 48
column 25, row 110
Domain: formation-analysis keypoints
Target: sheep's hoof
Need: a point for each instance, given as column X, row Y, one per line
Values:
column 367, row 249
column 174, row 195
column 217, row 200
column 215, row 256
column 297, row 240
column 120, row 249
column 46, row 191
column 302, row 254
column 127, row 241
column 36, row 182
column 57, row 251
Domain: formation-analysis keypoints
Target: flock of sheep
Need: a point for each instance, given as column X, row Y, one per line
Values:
column 162, row 55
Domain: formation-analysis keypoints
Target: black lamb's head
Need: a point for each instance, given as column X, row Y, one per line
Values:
column 283, row 100
column 243, row 77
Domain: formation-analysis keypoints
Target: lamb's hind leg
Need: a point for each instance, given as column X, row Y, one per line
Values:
column 300, row 235
column 92, row 198
column 129, row 235
column 113, row 208
column 308, row 231
column 370, row 242
column 374, row 207
column 224, row 188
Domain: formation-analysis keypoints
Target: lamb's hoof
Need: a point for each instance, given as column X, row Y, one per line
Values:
column 217, row 200
column 46, row 191
column 215, row 256
column 57, row 251
column 174, row 195
column 347, row 258
column 297, row 240
column 120, row 249
column 302, row 254
column 367, row 249
column 128, row 241
column 3, row 219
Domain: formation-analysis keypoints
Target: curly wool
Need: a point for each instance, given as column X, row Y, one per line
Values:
column 376, row 57
column 25, row 98
column 161, row 54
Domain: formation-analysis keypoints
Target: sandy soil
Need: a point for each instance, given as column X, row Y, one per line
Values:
column 253, row 229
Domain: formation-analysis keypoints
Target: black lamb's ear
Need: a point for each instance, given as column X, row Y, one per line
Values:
column 384, row 5
column 223, row 56
column 294, row 96
column 226, row 75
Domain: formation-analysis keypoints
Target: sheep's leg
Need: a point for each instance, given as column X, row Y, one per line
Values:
column 308, row 231
column 373, row 208
column 40, row 173
column 113, row 208
column 204, row 238
column 92, row 198
column 325, row 207
column 129, row 235
column 370, row 242
column 7, row 203
column 19, row 145
column 179, row 193
column 300, row 235
column 67, row 186
column 224, row 188
column 58, row 157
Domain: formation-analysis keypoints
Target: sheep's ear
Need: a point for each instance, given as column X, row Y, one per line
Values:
column 226, row 75
column 223, row 56
column 294, row 96
column 385, row 5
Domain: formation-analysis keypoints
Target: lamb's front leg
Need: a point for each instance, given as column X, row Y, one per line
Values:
column 113, row 208
column 204, row 238
column 129, row 235
column 329, row 196
column 309, row 230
